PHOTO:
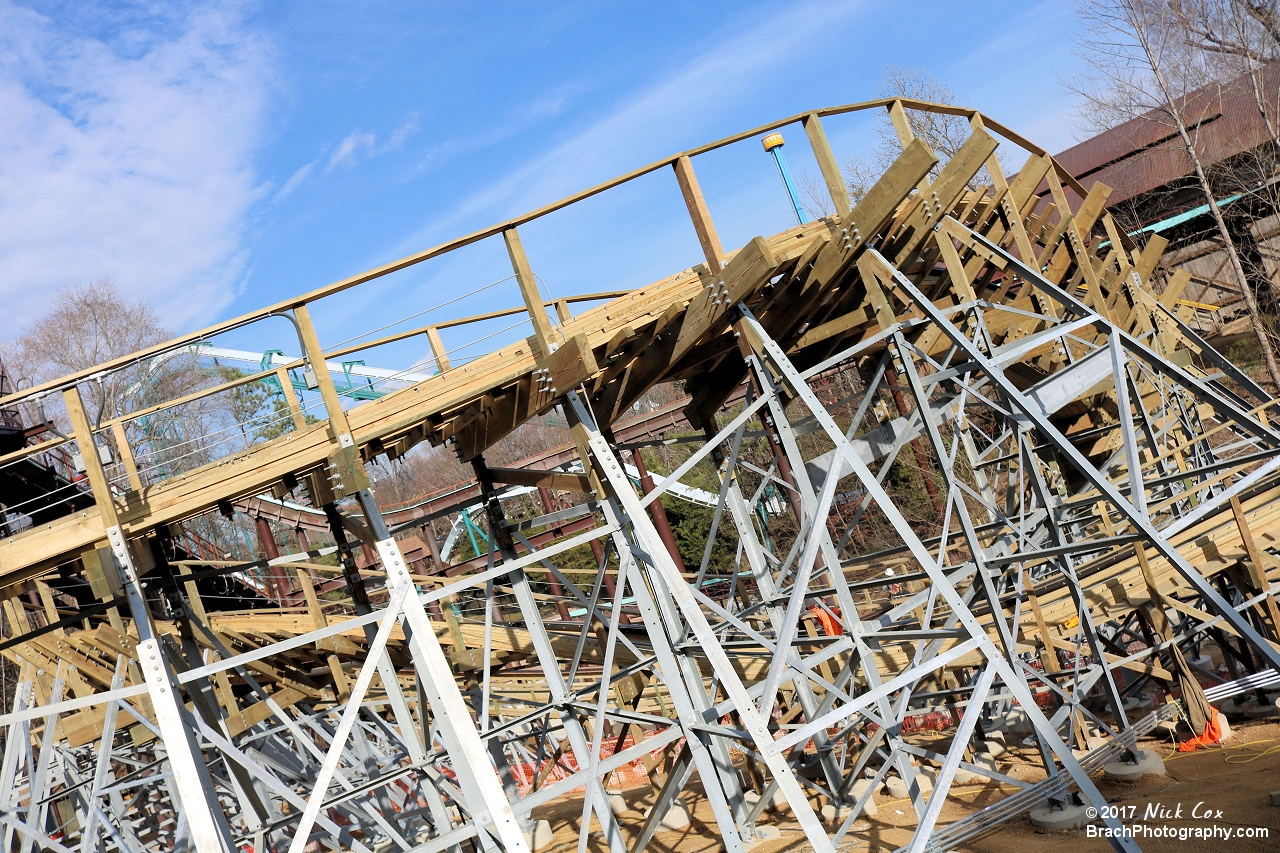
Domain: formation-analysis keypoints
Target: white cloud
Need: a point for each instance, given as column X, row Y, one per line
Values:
column 294, row 180
column 348, row 149
column 684, row 103
column 407, row 128
column 359, row 145
column 128, row 155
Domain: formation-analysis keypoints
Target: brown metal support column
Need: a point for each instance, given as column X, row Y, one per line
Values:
column 552, row 581
column 437, row 566
column 267, row 539
column 784, row 467
column 659, row 513
column 900, row 402
column 498, row 537
column 610, row 587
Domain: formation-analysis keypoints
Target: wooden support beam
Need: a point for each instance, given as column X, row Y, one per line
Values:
column 291, row 398
column 437, row 349
column 529, row 290
column 698, row 212
column 344, row 460
column 902, row 128
column 542, row 479
column 1256, row 566
column 83, row 434
column 126, row 456
column 563, row 314
column 827, row 164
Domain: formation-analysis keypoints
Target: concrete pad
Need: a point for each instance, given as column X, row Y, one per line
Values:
column 869, row 808
column 540, row 836
column 764, row 832
column 985, row 759
column 1071, row 817
column 831, row 814
column 677, row 817
column 617, row 803
column 1275, row 798
column 1261, row 711
column 779, row 800
column 995, row 748
column 898, row 788
column 1149, row 763
column 1018, row 723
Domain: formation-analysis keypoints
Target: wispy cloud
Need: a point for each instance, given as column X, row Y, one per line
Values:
column 128, row 154
column 359, row 145
column 356, row 144
column 407, row 128
column 295, row 180
column 688, row 100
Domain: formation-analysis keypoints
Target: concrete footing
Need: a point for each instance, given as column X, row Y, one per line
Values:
column 1148, row 763
column 898, row 789
column 764, row 832
column 677, row 817
column 860, row 787
column 540, row 836
column 1071, row 817
column 778, row 802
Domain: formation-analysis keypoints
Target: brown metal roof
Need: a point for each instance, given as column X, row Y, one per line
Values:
column 1146, row 153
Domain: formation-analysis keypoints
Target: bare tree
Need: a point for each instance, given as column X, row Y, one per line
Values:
column 87, row 325
column 942, row 132
column 92, row 323
column 1240, row 36
column 1140, row 61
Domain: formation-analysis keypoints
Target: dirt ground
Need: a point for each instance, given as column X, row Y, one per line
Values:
column 1235, row 780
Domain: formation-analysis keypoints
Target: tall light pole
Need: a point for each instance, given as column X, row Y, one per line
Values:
column 773, row 144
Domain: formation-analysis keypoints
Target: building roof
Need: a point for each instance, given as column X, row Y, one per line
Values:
column 1145, row 153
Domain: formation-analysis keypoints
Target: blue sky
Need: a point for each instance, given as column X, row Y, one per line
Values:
column 215, row 157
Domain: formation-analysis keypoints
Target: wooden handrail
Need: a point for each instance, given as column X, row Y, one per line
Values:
column 498, row 228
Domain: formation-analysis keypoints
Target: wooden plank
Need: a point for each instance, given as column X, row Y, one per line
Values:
column 1082, row 223
column 126, row 456
column 529, row 290
column 703, row 226
column 571, row 364
column 291, row 398
column 437, row 349
column 706, row 313
column 240, row 722
column 542, row 479
column 827, row 164
column 941, row 197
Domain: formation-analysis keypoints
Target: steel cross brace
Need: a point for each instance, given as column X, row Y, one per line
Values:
column 760, row 341
column 1106, row 489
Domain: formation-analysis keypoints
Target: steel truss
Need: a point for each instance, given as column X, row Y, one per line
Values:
column 1043, row 556
column 431, row 768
